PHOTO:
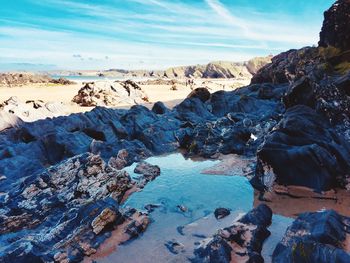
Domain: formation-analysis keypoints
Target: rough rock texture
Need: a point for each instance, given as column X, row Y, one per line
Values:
column 19, row 79
column 31, row 110
column 335, row 30
column 149, row 171
column 62, row 211
column 304, row 149
column 110, row 94
column 315, row 237
column 241, row 242
column 201, row 93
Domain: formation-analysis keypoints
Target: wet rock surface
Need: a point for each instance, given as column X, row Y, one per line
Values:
column 315, row 237
column 241, row 242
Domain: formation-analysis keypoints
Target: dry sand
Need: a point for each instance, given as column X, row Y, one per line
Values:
column 65, row 94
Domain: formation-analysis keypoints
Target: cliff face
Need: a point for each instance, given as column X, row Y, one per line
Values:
column 335, row 30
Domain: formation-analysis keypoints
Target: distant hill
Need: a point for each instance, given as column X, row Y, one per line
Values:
column 215, row 69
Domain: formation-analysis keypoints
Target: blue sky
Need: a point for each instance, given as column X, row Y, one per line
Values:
column 97, row 34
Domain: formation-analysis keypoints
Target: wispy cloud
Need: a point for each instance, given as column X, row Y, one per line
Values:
column 159, row 33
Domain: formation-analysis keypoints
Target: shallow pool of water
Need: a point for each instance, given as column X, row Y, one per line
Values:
column 182, row 183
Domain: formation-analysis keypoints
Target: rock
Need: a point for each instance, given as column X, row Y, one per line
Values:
column 107, row 94
column 120, row 161
column 62, row 81
column 201, row 93
column 106, row 217
column 335, row 29
column 221, row 213
column 182, row 208
column 241, row 242
column 31, row 110
column 314, row 237
column 304, row 150
column 149, row 171
column 175, row 247
column 159, row 108
column 23, row 78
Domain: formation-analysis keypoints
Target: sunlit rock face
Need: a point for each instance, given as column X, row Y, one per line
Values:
column 336, row 27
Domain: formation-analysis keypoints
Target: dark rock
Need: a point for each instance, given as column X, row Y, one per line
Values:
column 201, row 93
column 221, row 213
column 248, row 234
column 335, row 30
column 159, row 108
column 304, row 150
column 314, row 237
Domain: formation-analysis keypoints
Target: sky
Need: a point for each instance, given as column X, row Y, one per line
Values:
column 152, row 34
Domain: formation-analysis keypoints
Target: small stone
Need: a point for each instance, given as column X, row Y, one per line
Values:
column 221, row 213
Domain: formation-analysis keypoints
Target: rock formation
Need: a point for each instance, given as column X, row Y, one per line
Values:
column 240, row 242
column 31, row 110
column 20, row 79
column 315, row 237
column 335, row 30
column 110, row 94
column 62, row 212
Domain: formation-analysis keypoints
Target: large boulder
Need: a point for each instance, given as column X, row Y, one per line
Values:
column 304, row 150
column 315, row 237
column 336, row 26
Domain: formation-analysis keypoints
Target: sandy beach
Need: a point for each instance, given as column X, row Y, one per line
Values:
column 65, row 93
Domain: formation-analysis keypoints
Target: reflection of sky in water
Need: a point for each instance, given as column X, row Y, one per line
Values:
column 181, row 183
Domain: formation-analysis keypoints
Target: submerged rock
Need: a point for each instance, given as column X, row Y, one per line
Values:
column 220, row 213
column 241, row 242
column 315, row 237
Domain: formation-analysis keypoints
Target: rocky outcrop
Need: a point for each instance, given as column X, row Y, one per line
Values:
column 25, row 78
column 335, row 30
column 305, row 150
column 315, row 237
column 241, row 242
column 62, row 212
column 107, row 94
column 31, row 110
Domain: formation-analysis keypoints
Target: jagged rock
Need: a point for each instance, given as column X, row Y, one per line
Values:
column 32, row 110
column 201, row 93
column 220, row 213
column 314, row 237
column 107, row 94
column 106, row 217
column 335, row 30
column 241, row 242
column 304, row 150
column 149, row 171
